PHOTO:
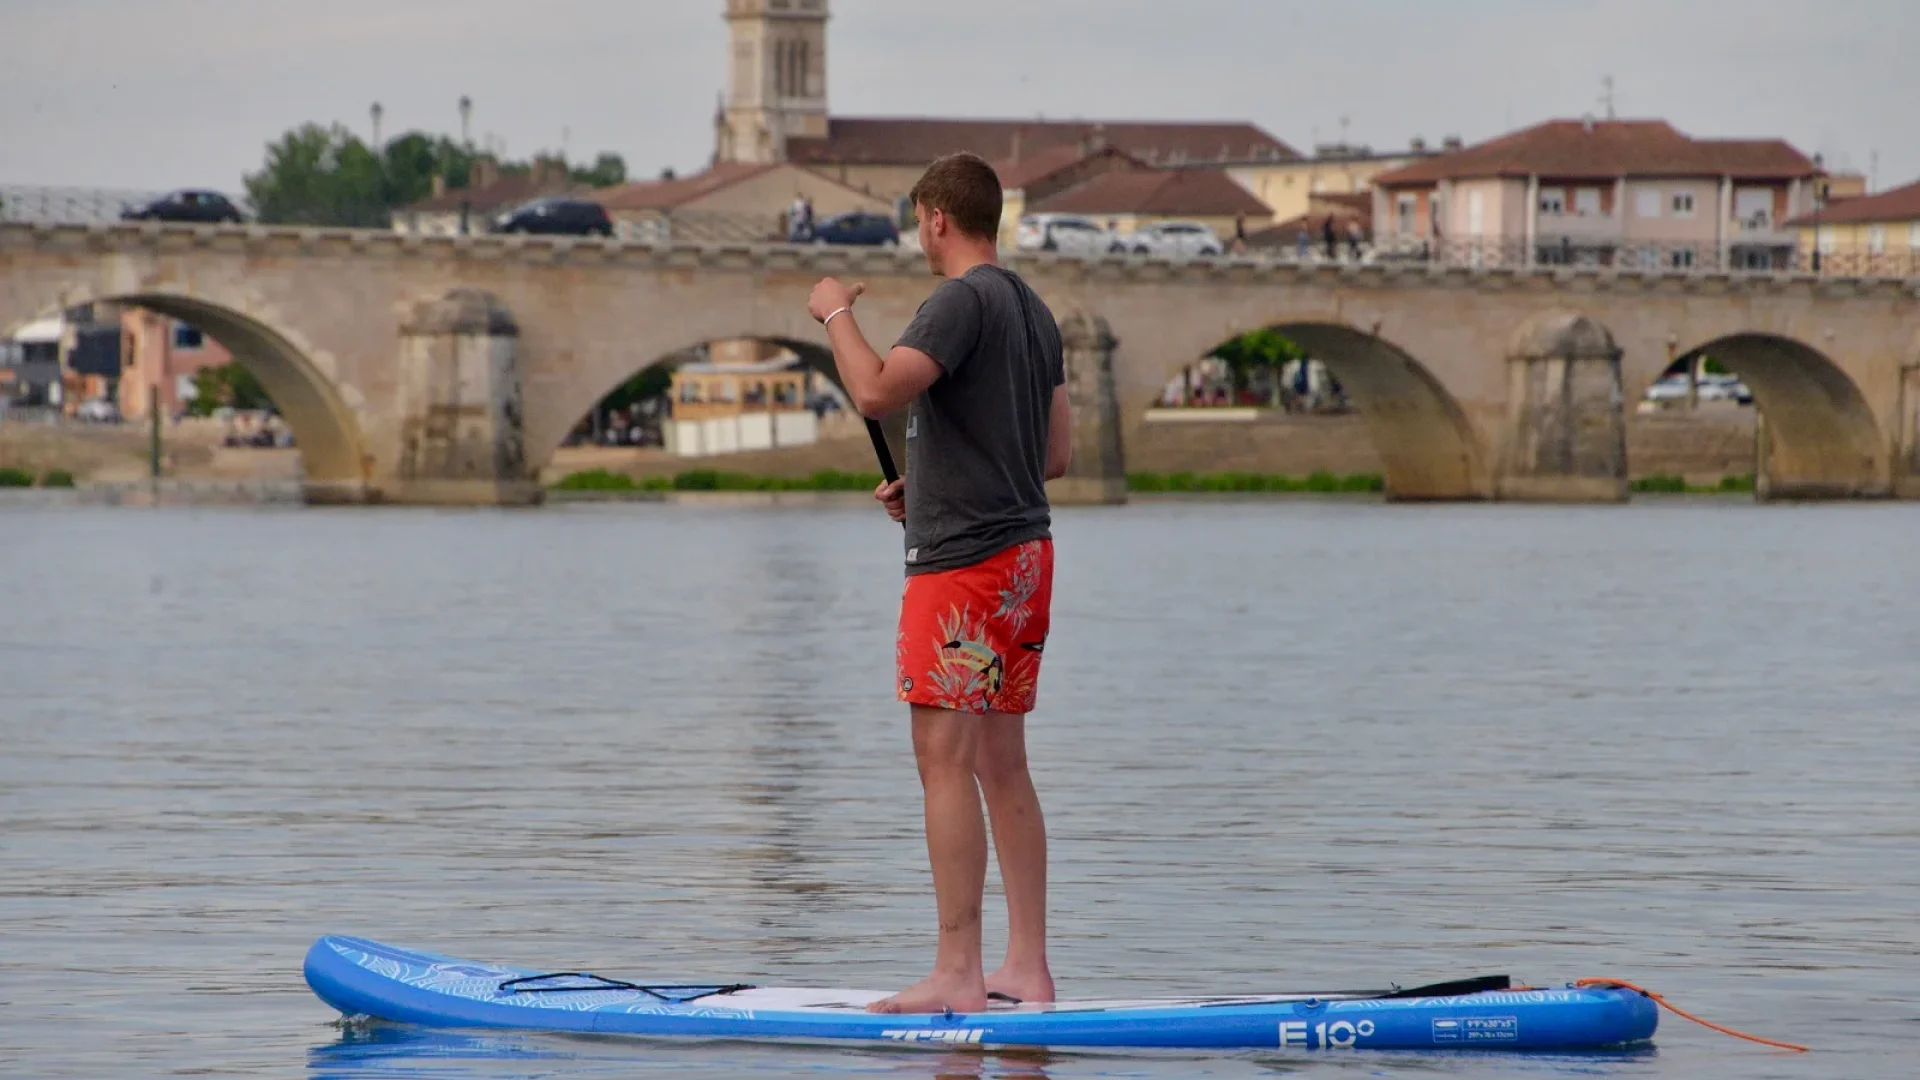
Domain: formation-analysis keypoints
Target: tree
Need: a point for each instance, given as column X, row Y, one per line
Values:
column 1250, row 352
column 230, row 385
column 320, row 176
column 606, row 171
column 650, row 382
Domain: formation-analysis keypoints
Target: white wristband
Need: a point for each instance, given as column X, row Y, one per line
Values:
column 828, row 321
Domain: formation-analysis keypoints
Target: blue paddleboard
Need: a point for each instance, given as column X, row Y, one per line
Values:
column 366, row 978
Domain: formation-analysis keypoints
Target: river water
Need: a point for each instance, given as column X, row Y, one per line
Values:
column 1281, row 745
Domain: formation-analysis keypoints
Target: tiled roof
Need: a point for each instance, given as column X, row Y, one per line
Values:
column 1160, row 192
column 1606, row 149
column 509, row 190
column 1016, row 175
column 917, row 141
column 667, row 194
column 1899, row 204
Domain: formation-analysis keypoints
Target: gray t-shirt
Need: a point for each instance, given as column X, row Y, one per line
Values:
column 977, row 438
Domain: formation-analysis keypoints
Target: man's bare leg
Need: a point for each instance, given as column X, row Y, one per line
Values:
column 945, row 744
column 1020, row 842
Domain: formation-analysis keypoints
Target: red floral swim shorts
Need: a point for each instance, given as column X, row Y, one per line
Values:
column 971, row 638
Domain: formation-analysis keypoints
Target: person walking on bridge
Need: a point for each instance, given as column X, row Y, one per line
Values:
column 982, row 375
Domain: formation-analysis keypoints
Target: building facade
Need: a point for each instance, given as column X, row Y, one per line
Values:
column 1868, row 234
column 1290, row 186
column 774, row 108
column 1601, row 192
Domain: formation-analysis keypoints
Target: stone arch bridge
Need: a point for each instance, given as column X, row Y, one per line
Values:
column 448, row 369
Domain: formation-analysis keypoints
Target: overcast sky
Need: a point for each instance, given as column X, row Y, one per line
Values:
column 163, row 93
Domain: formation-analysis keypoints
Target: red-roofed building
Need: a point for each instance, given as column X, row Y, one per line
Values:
column 1864, row 234
column 1127, row 200
column 729, row 202
column 1601, row 191
column 775, row 109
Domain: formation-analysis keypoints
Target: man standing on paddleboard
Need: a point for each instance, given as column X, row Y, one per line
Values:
column 982, row 374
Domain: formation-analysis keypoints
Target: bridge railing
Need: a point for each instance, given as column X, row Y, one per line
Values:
column 1894, row 262
column 68, row 205
column 99, row 205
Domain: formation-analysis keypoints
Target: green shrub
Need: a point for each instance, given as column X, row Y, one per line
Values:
column 56, row 478
column 1736, row 483
column 15, row 478
column 596, row 480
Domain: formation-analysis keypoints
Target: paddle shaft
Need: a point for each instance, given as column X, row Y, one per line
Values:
column 881, row 451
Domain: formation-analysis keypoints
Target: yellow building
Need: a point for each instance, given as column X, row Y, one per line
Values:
column 728, row 408
column 1289, row 186
column 1866, row 234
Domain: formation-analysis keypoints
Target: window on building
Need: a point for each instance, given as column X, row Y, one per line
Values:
column 1683, row 204
column 1476, row 213
column 1403, row 209
column 1753, row 207
column 1877, row 239
column 1913, row 236
column 1683, row 258
column 1553, row 202
column 187, row 337
column 1647, row 204
column 1586, row 202
column 1827, row 240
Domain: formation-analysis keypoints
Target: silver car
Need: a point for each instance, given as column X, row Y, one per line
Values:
column 1069, row 234
column 1176, row 239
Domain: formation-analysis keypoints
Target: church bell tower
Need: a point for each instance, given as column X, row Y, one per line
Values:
column 776, row 79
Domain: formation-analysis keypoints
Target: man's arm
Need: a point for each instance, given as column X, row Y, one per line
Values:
column 1059, row 433
column 878, row 386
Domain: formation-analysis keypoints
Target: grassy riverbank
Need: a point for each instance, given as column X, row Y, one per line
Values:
column 715, row 480
column 1677, row 485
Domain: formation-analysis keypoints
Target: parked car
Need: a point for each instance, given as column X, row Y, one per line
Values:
column 556, row 217
column 857, row 228
column 1673, row 387
column 1069, row 234
column 1180, row 239
column 1724, row 388
column 203, row 207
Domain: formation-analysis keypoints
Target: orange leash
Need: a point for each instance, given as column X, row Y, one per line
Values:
column 1670, row 1007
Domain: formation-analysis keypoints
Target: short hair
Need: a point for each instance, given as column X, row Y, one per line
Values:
column 967, row 189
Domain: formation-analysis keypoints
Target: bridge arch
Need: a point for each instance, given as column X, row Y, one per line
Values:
column 326, row 433
column 561, row 415
column 1427, row 444
column 1818, row 436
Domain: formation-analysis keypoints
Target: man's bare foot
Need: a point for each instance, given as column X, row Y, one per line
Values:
column 937, row 993
column 1031, row 985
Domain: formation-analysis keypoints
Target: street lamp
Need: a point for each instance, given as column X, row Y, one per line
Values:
column 1819, row 201
column 375, row 112
column 466, row 116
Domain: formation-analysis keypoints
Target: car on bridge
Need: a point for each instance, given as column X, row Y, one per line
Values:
column 188, row 205
column 858, row 228
column 1176, row 239
column 557, row 216
column 1069, row 234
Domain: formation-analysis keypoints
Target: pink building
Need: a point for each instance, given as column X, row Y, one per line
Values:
column 1600, row 192
column 163, row 353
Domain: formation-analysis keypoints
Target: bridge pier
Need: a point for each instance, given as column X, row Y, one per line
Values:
column 460, row 411
column 1566, row 437
column 1098, row 472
